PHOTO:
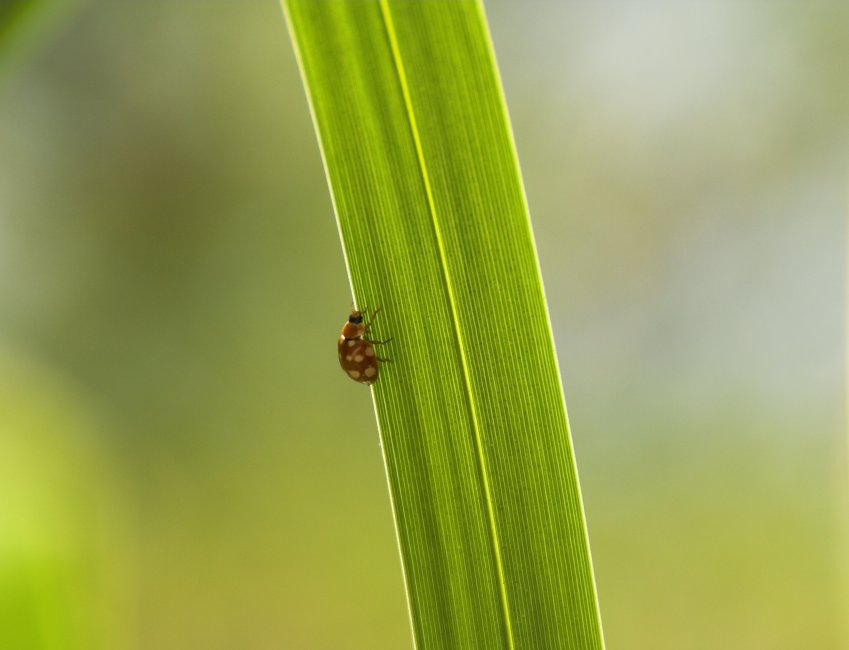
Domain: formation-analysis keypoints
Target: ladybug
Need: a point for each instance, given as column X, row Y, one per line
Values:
column 356, row 354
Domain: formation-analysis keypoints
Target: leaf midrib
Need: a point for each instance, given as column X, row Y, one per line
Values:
column 446, row 276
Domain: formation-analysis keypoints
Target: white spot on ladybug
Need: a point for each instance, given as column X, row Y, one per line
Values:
column 369, row 351
column 351, row 343
column 348, row 357
column 371, row 371
column 355, row 373
column 359, row 358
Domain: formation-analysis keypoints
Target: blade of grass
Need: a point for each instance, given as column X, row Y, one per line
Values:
column 426, row 187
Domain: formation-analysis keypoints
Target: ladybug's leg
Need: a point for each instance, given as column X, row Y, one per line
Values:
column 382, row 360
column 380, row 342
column 371, row 320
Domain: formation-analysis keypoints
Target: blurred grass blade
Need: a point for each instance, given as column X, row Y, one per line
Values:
column 12, row 12
column 24, row 24
column 417, row 147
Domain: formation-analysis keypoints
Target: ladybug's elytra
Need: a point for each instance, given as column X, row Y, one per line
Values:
column 356, row 354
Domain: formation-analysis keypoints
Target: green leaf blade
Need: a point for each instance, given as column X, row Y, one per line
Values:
column 418, row 151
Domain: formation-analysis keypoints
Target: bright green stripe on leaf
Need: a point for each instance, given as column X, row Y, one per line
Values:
column 427, row 192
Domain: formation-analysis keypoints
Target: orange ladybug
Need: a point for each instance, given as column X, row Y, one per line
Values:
column 356, row 354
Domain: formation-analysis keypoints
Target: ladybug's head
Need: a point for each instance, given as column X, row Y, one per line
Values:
column 354, row 327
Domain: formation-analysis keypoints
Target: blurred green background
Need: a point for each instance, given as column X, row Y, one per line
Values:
column 182, row 465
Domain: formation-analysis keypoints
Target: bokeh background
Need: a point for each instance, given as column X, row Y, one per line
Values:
column 182, row 465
